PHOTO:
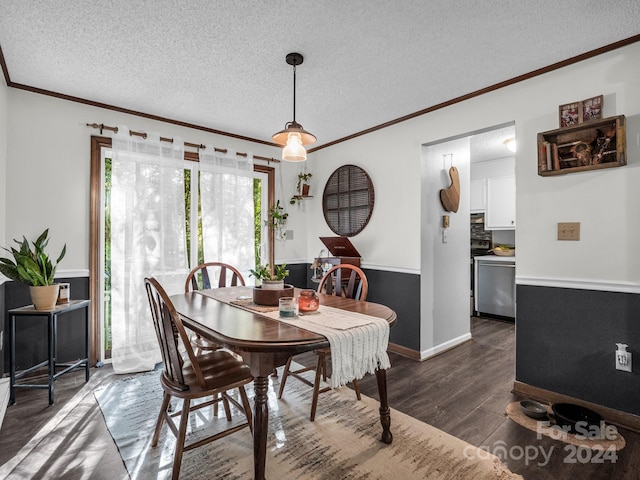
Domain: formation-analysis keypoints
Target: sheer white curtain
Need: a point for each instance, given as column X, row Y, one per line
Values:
column 226, row 199
column 147, row 239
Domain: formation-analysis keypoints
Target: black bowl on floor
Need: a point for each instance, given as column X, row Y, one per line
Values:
column 568, row 415
column 533, row 409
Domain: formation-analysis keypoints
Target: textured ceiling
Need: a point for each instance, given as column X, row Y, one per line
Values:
column 221, row 65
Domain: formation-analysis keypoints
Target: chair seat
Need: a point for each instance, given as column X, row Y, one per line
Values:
column 221, row 371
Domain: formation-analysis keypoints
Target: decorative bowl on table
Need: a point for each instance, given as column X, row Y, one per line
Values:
column 270, row 298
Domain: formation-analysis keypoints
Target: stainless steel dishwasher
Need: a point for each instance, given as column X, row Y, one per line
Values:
column 496, row 286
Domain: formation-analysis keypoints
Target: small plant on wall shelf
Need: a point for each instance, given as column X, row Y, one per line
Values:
column 302, row 187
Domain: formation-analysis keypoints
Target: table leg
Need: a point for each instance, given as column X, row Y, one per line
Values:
column 12, row 359
column 385, row 412
column 262, row 365
column 52, row 355
column 260, row 426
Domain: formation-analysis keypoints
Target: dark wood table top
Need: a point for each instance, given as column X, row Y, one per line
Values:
column 246, row 330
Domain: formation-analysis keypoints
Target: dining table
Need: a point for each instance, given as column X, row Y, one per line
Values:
column 265, row 344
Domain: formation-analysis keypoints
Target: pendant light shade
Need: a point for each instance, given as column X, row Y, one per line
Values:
column 293, row 150
column 294, row 136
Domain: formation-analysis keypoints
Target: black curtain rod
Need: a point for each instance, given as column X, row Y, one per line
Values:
column 102, row 127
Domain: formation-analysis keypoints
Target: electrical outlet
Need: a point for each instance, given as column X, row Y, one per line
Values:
column 623, row 361
column 569, row 231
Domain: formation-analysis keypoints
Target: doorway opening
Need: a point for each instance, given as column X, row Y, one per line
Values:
column 446, row 277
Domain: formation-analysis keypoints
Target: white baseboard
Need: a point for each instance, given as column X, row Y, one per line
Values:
column 443, row 347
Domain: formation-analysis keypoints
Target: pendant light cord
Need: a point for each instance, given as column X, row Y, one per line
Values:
column 294, row 93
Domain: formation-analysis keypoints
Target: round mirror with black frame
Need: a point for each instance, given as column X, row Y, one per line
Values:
column 347, row 201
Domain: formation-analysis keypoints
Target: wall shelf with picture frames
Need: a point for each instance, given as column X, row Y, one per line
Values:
column 588, row 146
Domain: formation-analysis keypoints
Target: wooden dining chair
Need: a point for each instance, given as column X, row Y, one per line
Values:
column 342, row 280
column 222, row 274
column 188, row 377
column 211, row 275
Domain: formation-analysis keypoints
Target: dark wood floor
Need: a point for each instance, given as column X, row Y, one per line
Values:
column 463, row 391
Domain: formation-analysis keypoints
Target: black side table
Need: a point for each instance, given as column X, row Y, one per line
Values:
column 52, row 317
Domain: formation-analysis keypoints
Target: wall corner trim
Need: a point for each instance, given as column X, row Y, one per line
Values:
column 444, row 346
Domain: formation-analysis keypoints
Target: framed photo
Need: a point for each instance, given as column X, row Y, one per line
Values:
column 569, row 114
column 591, row 109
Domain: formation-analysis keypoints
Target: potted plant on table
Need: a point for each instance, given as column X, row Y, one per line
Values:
column 34, row 268
column 270, row 279
column 272, row 285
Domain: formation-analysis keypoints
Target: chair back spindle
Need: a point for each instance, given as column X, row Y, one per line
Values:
column 345, row 280
column 228, row 276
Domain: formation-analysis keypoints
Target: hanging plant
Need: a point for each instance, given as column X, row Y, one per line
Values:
column 277, row 218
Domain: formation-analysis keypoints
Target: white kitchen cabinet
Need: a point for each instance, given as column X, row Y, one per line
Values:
column 478, row 195
column 501, row 203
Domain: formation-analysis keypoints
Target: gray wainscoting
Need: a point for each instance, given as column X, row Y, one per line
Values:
column 399, row 291
column 566, row 341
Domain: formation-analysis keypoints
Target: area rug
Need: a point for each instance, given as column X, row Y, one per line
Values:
column 342, row 443
column 607, row 438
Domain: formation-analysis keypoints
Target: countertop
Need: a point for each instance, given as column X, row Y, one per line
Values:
column 496, row 258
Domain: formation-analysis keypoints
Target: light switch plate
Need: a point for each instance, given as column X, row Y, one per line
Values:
column 569, row 231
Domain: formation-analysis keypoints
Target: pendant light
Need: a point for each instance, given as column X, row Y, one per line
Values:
column 294, row 137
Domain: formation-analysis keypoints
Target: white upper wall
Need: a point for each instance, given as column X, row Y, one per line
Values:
column 49, row 167
column 606, row 202
column 48, row 144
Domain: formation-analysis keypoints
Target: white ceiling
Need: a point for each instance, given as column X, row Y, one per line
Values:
column 221, row 65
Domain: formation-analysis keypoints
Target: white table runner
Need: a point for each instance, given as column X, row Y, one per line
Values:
column 358, row 342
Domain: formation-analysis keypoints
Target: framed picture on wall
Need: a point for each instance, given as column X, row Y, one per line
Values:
column 569, row 114
column 591, row 109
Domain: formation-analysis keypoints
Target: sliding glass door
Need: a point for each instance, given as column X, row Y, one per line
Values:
column 258, row 185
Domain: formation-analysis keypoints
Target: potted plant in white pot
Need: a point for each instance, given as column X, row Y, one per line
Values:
column 34, row 268
column 272, row 285
column 270, row 280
